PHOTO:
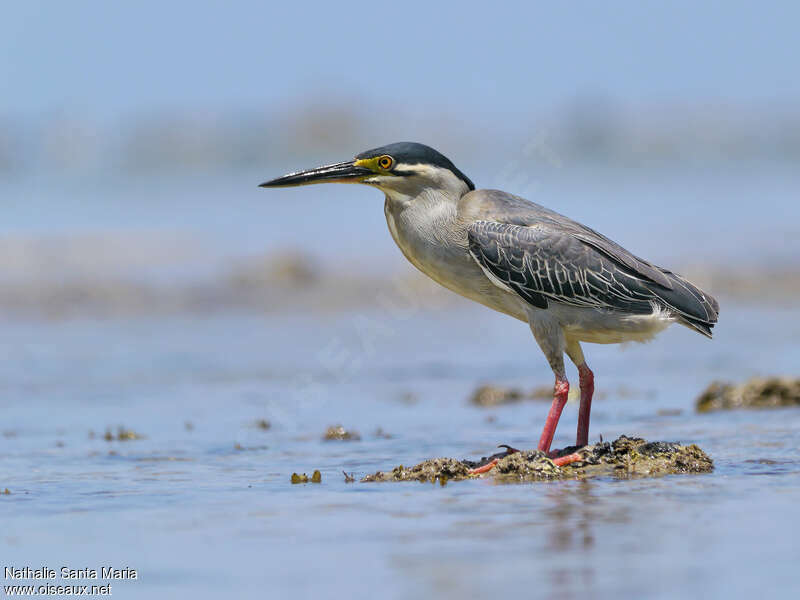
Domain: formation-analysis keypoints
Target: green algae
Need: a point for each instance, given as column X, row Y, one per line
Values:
column 316, row 477
column 123, row 435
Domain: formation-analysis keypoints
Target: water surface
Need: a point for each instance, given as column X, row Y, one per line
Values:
column 202, row 505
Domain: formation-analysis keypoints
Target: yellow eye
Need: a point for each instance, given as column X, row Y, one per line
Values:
column 385, row 162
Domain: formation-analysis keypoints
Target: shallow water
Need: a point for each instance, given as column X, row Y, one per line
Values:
column 203, row 505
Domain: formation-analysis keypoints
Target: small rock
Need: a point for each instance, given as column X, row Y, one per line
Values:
column 497, row 395
column 337, row 432
column 123, row 435
column 381, row 434
column 669, row 412
column 127, row 434
column 757, row 392
column 542, row 392
column 494, row 395
column 238, row 447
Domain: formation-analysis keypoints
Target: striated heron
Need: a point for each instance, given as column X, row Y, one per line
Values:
column 568, row 282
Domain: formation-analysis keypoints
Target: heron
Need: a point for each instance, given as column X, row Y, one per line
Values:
column 568, row 282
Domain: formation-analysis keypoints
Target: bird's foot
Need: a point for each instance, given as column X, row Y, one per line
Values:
column 553, row 455
column 492, row 460
column 567, row 459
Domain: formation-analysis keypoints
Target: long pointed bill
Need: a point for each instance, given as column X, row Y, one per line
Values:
column 346, row 172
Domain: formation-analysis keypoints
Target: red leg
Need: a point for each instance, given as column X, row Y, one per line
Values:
column 565, row 460
column 587, row 389
column 487, row 467
column 559, row 400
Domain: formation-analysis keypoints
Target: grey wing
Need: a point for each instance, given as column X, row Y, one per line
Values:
column 543, row 263
column 495, row 205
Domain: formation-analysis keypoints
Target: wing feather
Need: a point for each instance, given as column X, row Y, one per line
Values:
column 544, row 263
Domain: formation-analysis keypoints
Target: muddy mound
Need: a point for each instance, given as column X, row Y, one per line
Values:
column 628, row 457
column 625, row 457
column 429, row 470
column 758, row 392
column 526, row 466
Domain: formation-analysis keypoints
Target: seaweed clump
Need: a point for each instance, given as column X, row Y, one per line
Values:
column 442, row 469
column 629, row 457
column 123, row 435
column 757, row 392
column 625, row 458
column 316, row 477
column 528, row 465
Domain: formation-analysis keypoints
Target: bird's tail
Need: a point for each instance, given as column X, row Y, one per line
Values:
column 692, row 307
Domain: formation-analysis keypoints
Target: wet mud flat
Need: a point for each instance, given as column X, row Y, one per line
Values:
column 625, row 457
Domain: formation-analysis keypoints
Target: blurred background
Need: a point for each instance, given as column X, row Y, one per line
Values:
column 132, row 138
column 146, row 282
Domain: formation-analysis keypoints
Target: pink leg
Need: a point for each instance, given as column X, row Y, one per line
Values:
column 587, row 389
column 559, row 400
column 485, row 468
column 566, row 460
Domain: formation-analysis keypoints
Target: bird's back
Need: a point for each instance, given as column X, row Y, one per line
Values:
column 645, row 282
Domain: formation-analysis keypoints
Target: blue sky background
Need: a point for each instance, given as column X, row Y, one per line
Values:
column 491, row 64
column 166, row 115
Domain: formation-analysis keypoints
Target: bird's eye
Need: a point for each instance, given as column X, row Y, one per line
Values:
column 385, row 162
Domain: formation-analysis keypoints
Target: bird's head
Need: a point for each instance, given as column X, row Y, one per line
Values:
column 403, row 168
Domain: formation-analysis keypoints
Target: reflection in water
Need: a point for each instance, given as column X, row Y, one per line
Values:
column 571, row 531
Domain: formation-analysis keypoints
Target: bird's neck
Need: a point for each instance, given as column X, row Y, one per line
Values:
column 431, row 190
column 424, row 213
column 424, row 199
column 426, row 221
